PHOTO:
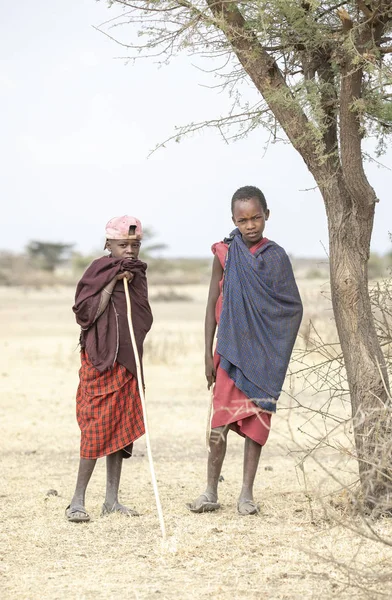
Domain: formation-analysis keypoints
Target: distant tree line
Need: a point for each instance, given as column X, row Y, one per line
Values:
column 50, row 255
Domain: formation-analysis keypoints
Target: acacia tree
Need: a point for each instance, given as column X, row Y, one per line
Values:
column 323, row 72
column 149, row 247
column 48, row 255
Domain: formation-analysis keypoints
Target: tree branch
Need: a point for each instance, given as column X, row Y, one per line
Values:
column 329, row 105
column 268, row 79
column 351, row 135
column 251, row 116
column 363, row 7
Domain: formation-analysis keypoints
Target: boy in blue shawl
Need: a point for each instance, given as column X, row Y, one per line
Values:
column 254, row 301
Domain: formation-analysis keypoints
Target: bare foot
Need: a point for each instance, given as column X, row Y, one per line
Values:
column 118, row 508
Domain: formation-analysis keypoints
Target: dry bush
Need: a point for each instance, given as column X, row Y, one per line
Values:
column 169, row 295
column 327, row 444
column 304, row 544
column 165, row 350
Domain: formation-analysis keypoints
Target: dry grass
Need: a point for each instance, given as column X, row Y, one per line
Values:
column 301, row 546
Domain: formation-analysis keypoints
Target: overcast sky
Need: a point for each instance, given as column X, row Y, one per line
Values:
column 78, row 124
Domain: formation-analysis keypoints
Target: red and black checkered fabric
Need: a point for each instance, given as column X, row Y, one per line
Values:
column 108, row 409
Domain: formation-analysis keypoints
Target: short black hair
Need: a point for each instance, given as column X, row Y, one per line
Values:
column 246, row 193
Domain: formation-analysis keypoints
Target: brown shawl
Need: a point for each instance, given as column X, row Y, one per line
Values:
column 107, row 338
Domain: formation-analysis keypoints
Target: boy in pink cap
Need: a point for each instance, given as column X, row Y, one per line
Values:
column 108, row 405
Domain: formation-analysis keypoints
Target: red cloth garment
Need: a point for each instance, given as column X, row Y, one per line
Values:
column 108, row 410
column 230, row 405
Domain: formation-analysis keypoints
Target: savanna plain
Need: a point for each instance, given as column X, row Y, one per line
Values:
column 307, row 541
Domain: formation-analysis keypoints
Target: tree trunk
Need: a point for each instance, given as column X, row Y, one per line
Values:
column 349, row 235
column 350, row 202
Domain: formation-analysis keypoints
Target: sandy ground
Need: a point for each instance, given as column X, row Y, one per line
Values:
column 299, row 547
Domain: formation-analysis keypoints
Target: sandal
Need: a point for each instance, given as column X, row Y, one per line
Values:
column 118, row 508
column 203, row 504
column 248, row 507
column 76, row 514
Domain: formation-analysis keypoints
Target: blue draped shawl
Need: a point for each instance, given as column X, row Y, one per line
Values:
column 260, row 318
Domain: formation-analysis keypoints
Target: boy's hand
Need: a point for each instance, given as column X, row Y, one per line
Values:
column 210, row 371
column 125, row 275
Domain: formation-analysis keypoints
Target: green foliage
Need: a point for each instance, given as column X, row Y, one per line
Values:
column 149, row 249
column 379, row 266
column 80, row 262
column 376, row 266
column 315, row 45
column 48, row 255
column 314, row 274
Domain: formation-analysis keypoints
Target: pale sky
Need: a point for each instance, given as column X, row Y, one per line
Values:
column 78, row 124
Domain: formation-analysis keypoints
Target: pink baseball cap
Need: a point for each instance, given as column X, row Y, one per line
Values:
column 124, row 228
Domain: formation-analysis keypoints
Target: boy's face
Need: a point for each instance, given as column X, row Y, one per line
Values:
column 124, row 248
column 250, row 218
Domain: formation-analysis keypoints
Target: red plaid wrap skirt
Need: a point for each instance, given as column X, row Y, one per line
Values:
column 108, row 409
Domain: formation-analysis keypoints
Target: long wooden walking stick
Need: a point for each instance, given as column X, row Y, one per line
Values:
column 209, row 417
column 142, row 398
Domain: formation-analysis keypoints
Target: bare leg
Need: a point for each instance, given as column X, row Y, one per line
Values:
column 216, row 456
column 208, row 500
column 113, row 473
column 86, row 468
column 252, row 452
